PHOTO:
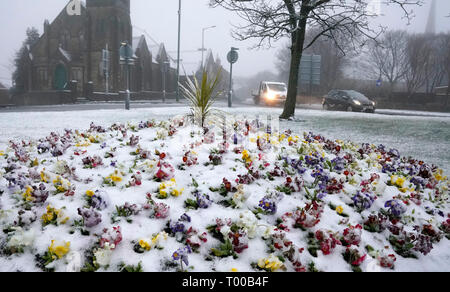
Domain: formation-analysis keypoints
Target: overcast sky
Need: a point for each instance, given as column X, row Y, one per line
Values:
column 159, row 19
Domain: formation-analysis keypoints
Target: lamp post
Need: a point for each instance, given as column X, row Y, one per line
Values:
column 203, row 40
column 178, row 52
column 126, row 58
column 165, row 67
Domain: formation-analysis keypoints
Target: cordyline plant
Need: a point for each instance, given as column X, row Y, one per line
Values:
column 201, row 96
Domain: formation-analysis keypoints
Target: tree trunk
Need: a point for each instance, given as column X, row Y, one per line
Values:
column 291, row 99
column 298, row 40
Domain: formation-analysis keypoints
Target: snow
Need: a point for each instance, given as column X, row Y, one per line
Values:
column 409, row 135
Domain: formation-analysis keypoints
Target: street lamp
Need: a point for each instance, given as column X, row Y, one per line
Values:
column 203, row 40
column 126, row 58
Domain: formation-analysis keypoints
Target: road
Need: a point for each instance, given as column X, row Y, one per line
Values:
column 422, row 135
column 156, row 104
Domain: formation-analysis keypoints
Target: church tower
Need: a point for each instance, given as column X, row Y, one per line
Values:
column 431, row 23
column 108, row 24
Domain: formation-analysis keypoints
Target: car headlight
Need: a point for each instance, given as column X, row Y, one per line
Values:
column 357, row 102
column 374, row 103
column 271, row 95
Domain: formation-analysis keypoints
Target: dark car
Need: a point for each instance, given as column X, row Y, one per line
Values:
column 348, row 100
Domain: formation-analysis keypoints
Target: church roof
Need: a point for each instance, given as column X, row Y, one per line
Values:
column 137, row 42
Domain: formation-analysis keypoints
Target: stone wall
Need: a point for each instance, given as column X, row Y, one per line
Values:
column 4, row 97
column 44, row 98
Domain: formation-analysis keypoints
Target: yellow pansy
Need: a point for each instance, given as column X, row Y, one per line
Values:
column 27, row 195
column 115, row 177
column 397, row 181
column 163, row 193
column 246, row 156
column 89, row 193
column 166, row 188
column 176, row 192
column 58, row 251
column 271, row 263
column 44, row 177
column 339, row 210
column 234, row 270
column 61, row 184
column 2, row 153
column 158, row 237
column 85, row 143
column 144, row 244
column 439, row 175
column 52, row 215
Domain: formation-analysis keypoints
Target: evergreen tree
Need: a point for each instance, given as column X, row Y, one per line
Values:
column 21, row 76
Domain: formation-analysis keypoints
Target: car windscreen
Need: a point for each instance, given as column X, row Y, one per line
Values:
column 277, row 87
column 356, row 95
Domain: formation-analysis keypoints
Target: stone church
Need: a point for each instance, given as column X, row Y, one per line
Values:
column 72, row 48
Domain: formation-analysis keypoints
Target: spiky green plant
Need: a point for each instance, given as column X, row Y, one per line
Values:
column 201, row 96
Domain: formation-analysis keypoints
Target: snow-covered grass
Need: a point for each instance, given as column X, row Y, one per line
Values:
column 294, row 201
column 423, row 137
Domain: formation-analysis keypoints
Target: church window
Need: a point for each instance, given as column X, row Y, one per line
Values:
column 77, row 74
column 42, row 77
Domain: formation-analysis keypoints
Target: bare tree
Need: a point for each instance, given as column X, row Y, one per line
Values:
column 270, row 21
column 436, row 66
column 387, row 58
column 333, row 56
column 444, row 43
column 415, row 75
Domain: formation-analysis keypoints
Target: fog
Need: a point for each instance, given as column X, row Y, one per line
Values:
column 159, row 20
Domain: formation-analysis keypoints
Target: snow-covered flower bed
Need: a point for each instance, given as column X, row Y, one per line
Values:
column 169, row 196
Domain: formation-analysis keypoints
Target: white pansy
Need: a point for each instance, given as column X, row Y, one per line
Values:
column 60, row 167
column 103, row 255
column 268, row 232
column 248, row 221
column 240, row 196
column 21, row 238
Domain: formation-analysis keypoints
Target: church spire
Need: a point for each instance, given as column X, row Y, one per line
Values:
column 431, row 23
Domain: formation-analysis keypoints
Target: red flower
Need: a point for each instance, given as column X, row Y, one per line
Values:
column 359, row 261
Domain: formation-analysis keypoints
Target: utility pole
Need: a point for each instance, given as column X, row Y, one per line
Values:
column 106, row 67
column 178, row 53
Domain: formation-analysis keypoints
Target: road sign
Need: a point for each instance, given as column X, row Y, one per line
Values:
column 233, row 56
column 310, row 69
column 126, row 54
column 379, row 82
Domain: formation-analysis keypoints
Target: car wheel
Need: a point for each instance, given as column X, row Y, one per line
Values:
column 256, row 100
column 349, row 108
column 326, row 107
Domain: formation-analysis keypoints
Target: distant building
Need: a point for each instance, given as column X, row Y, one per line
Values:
column 213, row 66
column 2, row 86
column 71, row 48
column 431, row 22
